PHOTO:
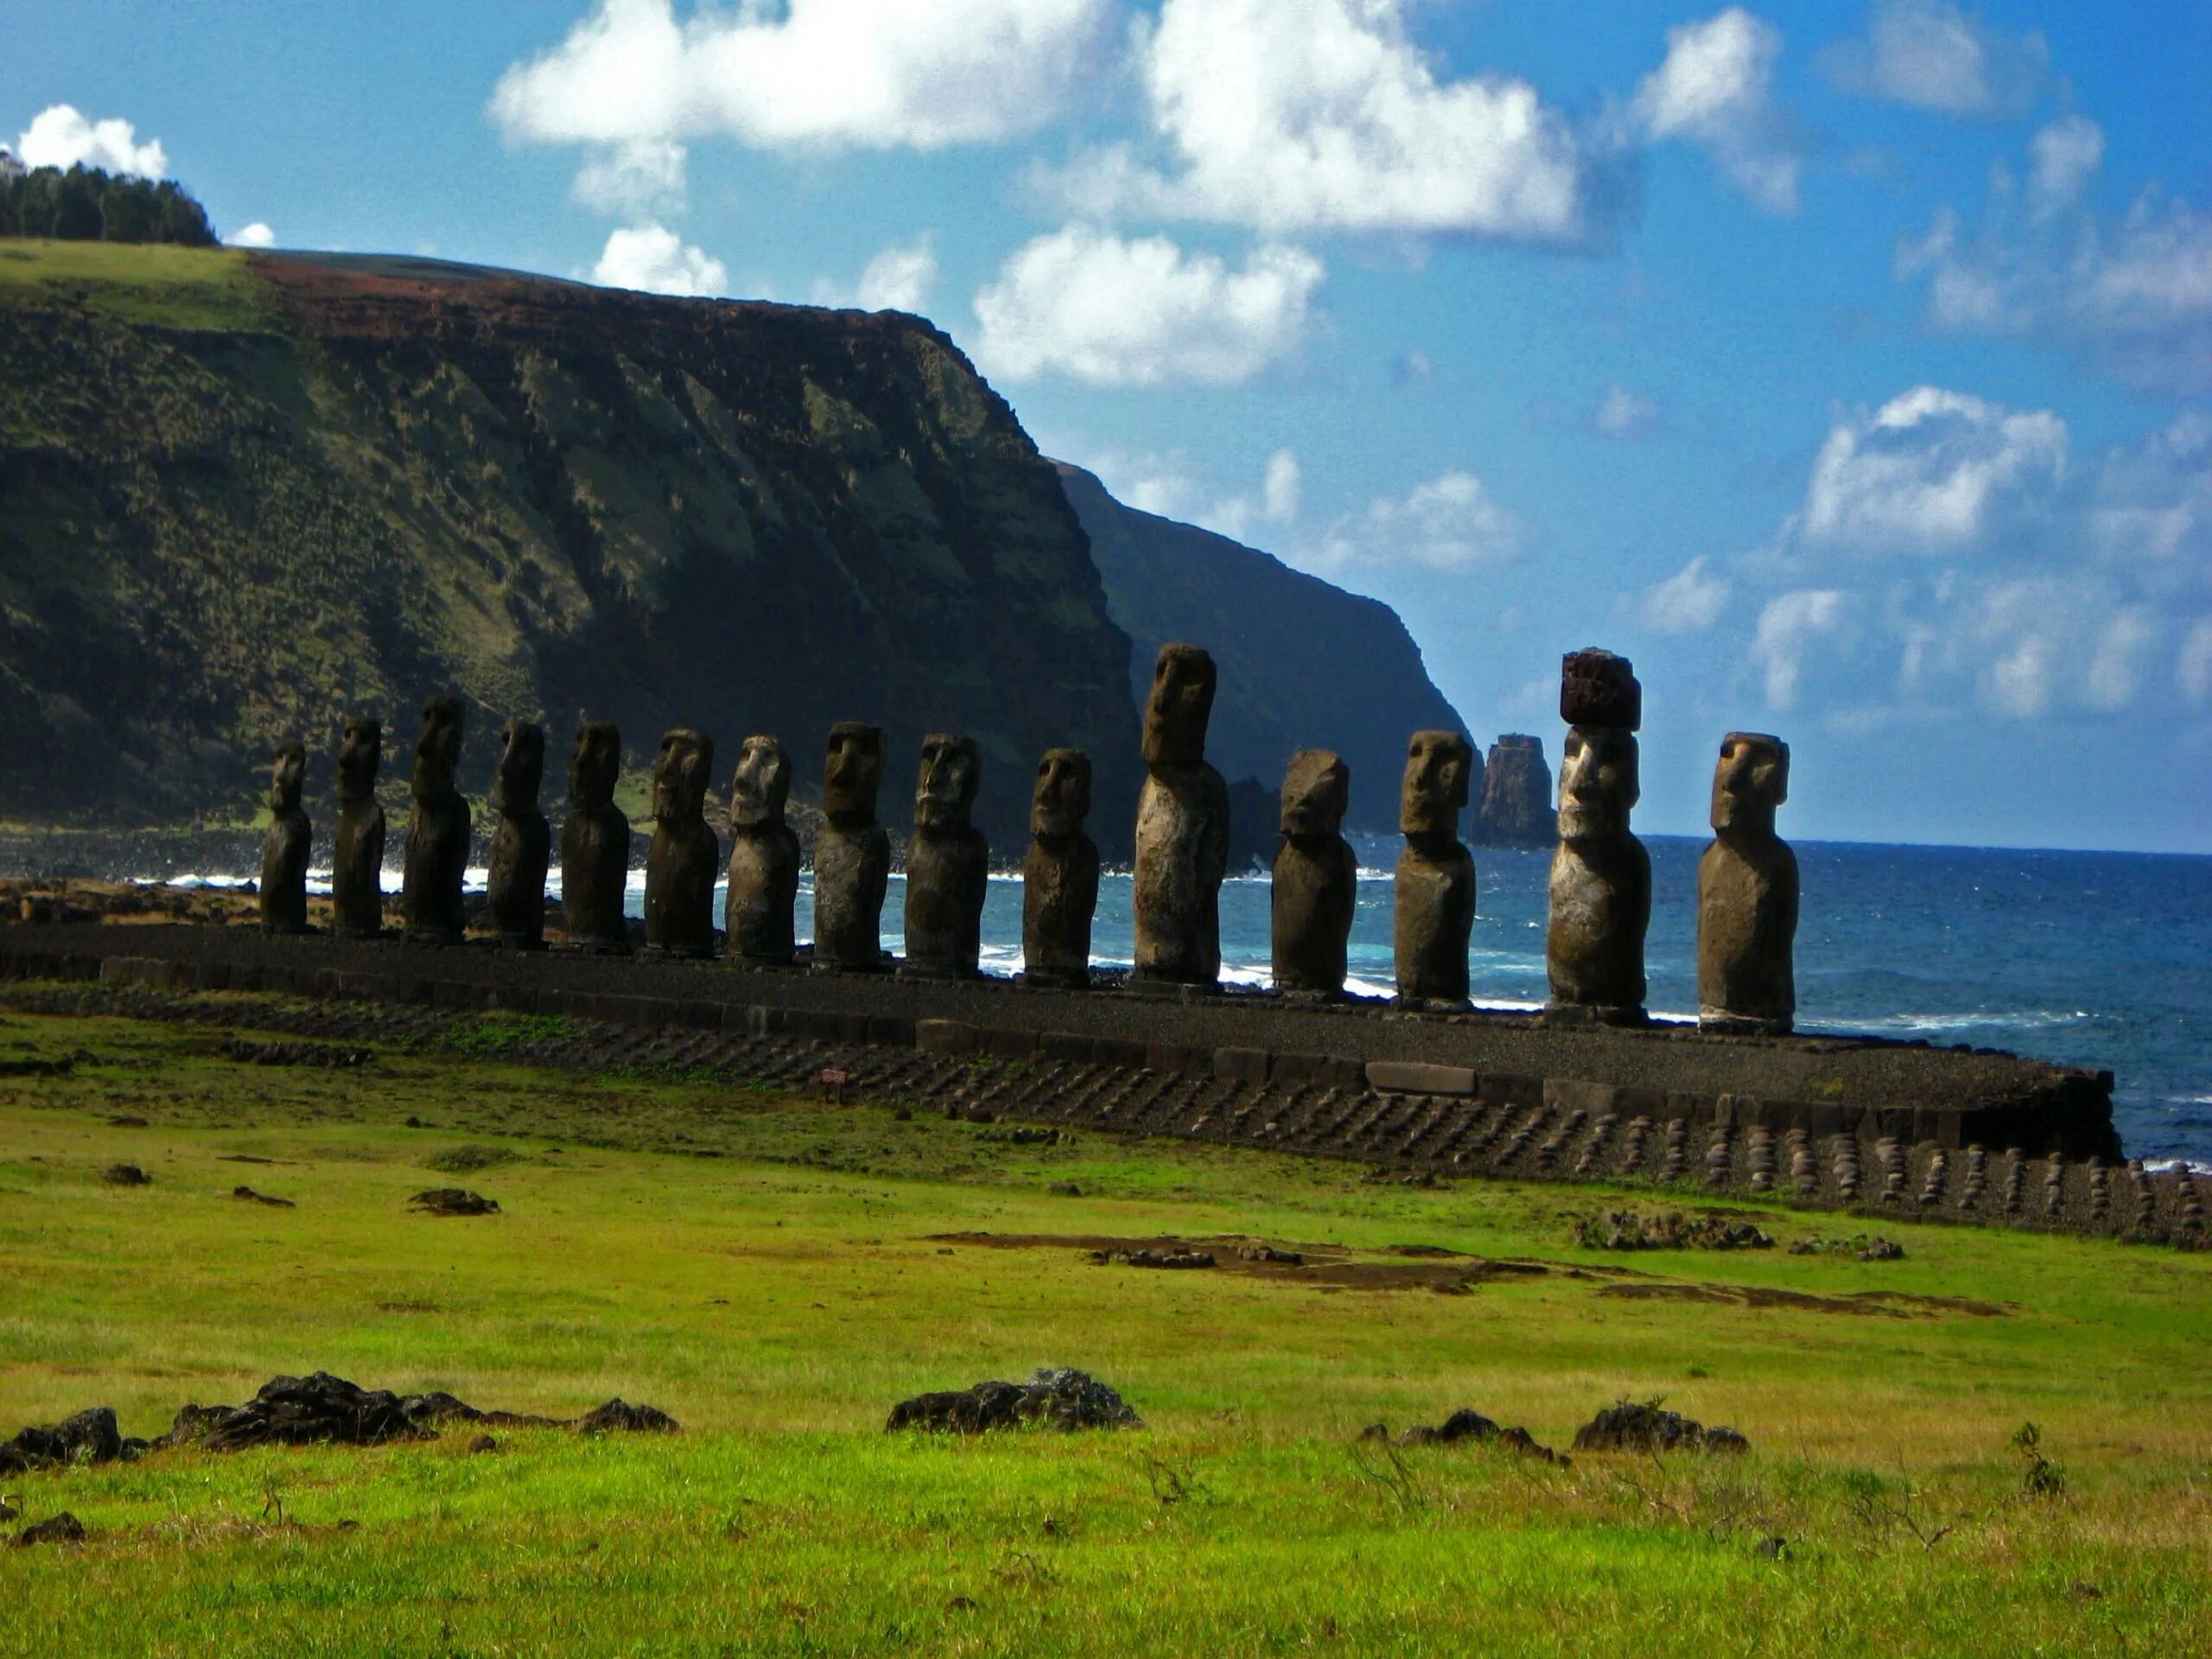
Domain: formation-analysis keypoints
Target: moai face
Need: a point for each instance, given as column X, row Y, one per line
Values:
column 680, row 774
column 762, row 785
column 1435, row 789
column 1750, row 780
column 596, row 766
column 1181, row 703
column 361, row 751
column 1315, row 792
column 945, row 789
column 286, row 774
column 437, row 749
column 1062, row 799
column 852, row 772
column 522, row 767
column 1597, row 782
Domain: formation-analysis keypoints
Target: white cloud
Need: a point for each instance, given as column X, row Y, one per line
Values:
column 1452, row 522
column 1168, row 484
column 2062, row 158
column 2193, row 672
column 1716, row 87
column 871, row 74
column 60, row 137
column 1689, row 602
column 897, row 279
column 655, row 260
column 1622, row 414
column 256, row 235
column 2152, row 502
column 1930, row 471
column 641, row 177
column 1085, row 303
column 1297, row 115
column 1788, row 625
column 1932, row 55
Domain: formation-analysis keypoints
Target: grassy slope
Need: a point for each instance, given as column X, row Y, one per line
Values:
column 778, row 1297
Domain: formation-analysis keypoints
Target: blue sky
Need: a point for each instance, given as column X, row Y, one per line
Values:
column 1849, row 366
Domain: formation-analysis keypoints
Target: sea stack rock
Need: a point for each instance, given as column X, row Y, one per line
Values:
column 684, row 858
column 1182, row 832
column 948, row 863
column 1516, row 798
column 1436, row 910
column 1059, row 877
column 1601, row 875
column 357, row 853
column 437, row 831
column 284, row 854
column 1747, row 893
column 764, row 858
column 522, row 842
column 595, row 844
column 1315, row 882
column 852, row 855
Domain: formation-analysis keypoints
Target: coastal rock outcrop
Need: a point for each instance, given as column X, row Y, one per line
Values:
column 1517, row 795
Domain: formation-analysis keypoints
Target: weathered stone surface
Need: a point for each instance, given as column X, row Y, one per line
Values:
column 357, row 853
column 684, row 859
column 947, row 862
column 1418, row 1077
column 852, row 855
column 522, row 841
column 91, row 1436
column 1060, row 876
column 1601, row 881
column 1182, row 833
column 595, row 844
column 1435, row 896
column 284, row 854
column 1747, row 893
column 1517, row 802
column 1598, row 688
column 764, row 858
column 1634, row 1426
column 1470, row 1424
column 619, row 1416
column 437, row 830
column 1315, row 883
column 61, row 1529
column 1054, row 1397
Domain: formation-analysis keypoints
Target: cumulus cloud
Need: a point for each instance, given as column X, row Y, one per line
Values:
column 1789, row 624
column 1715, row 88
column 1452, row 522
column 1300, row 116
column 1622, row 414
column 58, row 136
column 640, row 178
column 1089, row 305
column 256, row 235
column 899, row 278
column 1930, row 471
column 1689, row 602
column 655, row 260
column 2062, row 158
column 1932, row 55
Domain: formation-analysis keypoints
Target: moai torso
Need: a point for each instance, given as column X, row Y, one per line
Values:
column 1601, row 875
column 1060, row 876
column 1316, row 878
column 437, row 831
column 684, row 858
column 852, row 855
column 948, row 863
column 1434, row 915
column 1182, row 830
column 522, row 841
column 595, row 844
column 1747, row 893
column 284, row 854
column 764, row 858
column 357, row 850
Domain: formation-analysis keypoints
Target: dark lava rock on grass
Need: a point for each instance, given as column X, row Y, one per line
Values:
column 1470, row 1424
column 63, row 1529
column 1056, row 1397
column 1627, row 1229
column 1642, row 1425
column 89, row 1436
column 453, row 1201
column 125, row 1175
column 1170, row 1259
column 617, row 1416
column 300, row 1411
column 251, row 1196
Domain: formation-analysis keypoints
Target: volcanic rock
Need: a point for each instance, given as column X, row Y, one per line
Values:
column 617, row 1416
column 1517, row 804
column 1471, row 1425
column 453, row 1201
column 1055, row 1397
column 89, row 1436
column 1642, row 1425
column 63, row 1529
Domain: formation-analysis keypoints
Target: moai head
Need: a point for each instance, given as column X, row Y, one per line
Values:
column 945, row 789
column 361, row 751
column 1435, row 789
column 437, row 749
column 762, row 785
column 681, row 772
column 1597, row 782
column 596, row 766
column 1315, row 792
column 287, row 773
column 852, row 772
column 1062, row 799
column 1598, row 688
column 521, row 771
column 1750, row 780
column 1181, row 703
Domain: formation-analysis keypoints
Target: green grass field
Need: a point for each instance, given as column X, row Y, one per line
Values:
column 774, row 1272
column 208, row 289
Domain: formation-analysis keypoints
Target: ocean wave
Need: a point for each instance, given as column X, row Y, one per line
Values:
column 1980, row 1020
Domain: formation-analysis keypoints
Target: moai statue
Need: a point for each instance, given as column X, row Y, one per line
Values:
column 1601, row 876
column 1316, row 878
column 684, row 858
column 1060, row 878
column 284, row 854
column 357, row 854
column 437, row 831
column 1435, row 908
column 852, row 855
column 764, row 858
column 948, row 863
column 1182, row 829
column 1747, row 893
column 522, row 842
column 595, row 844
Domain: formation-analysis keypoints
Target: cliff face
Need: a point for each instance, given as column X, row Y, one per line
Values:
column 1516, row 796
column 239, row 499
column 1302, row 664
